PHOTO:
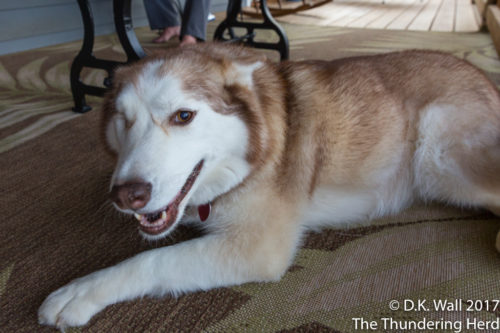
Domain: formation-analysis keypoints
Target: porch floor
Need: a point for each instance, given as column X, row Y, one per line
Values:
column 415, row 15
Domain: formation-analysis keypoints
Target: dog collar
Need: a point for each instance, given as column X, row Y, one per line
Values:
column 204, row 211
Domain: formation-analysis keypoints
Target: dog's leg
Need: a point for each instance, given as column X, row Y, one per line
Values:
column 255, row 250
column 458, row 156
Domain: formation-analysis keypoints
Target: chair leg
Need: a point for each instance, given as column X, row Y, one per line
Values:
column 233, row 9
column 84, row 54
column 125, row 30
column 76, row 87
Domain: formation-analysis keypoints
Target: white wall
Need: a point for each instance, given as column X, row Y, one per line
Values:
column 28, row 24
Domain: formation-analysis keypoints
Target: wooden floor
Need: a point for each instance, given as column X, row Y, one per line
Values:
column 418, row 15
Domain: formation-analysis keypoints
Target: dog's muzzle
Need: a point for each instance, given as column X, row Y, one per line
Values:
column 136, row 197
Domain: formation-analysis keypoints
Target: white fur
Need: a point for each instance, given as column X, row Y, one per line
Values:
column 342, row 206
column 332, row 206
column 438, row 176
column 156, row 152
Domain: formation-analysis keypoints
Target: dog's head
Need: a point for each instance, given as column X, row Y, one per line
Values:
column 184, row 129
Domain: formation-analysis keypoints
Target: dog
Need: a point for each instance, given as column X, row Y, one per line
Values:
column 260, row 152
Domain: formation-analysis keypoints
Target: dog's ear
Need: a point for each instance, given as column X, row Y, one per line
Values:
column 240, row 72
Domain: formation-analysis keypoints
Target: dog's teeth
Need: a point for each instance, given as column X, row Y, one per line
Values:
column 138, row 216
column 164, row 215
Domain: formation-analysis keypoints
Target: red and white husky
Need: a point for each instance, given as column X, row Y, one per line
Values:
column 264, row 151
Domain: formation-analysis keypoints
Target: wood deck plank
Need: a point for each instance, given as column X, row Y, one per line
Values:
column 465, row 20
column 355, row 13
column 418, row 15
column 425, row 18
column 445, row 17
column 404, row 20
column 332, row 13
column 366, row 19
column 394, row 10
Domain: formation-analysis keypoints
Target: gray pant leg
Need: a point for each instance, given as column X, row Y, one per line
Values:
column 195, row 18
column 162, row 13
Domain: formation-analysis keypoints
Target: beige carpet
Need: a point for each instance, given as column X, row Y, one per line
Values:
column 57, row 224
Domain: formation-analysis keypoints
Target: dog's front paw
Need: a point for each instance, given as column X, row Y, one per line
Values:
column 71, row 305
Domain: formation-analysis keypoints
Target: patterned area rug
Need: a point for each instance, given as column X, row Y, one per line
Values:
column 58, row 225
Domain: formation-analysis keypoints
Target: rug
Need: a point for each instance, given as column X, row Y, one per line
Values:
column 58, row 224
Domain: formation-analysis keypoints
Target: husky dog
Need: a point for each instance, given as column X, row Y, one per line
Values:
column 261, row 152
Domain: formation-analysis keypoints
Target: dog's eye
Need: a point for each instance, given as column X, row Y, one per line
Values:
column 182, row 117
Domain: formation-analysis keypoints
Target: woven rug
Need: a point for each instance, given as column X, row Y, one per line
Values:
column 58, row 224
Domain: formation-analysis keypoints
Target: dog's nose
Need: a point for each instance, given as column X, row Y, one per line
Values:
column 131, row 195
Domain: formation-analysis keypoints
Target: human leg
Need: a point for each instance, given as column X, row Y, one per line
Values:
column 194, row 21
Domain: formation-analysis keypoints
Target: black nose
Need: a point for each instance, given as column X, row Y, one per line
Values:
column 131, row 195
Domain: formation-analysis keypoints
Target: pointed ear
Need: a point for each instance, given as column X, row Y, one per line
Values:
column 240, row 72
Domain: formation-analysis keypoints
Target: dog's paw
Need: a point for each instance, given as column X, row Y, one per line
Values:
column 71, row 305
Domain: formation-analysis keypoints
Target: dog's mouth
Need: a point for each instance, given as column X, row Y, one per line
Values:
column 157, row 222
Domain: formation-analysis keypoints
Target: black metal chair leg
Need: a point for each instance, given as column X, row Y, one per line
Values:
column 76, row 88
column 233, row 9
column 84, row 54
column 86, row 58
column 231, row 21
column 125, row 30
column 282, row 46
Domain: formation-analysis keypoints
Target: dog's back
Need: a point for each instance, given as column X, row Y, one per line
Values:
column 384, row 130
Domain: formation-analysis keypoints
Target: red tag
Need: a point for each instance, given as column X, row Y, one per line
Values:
column 204, row 211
